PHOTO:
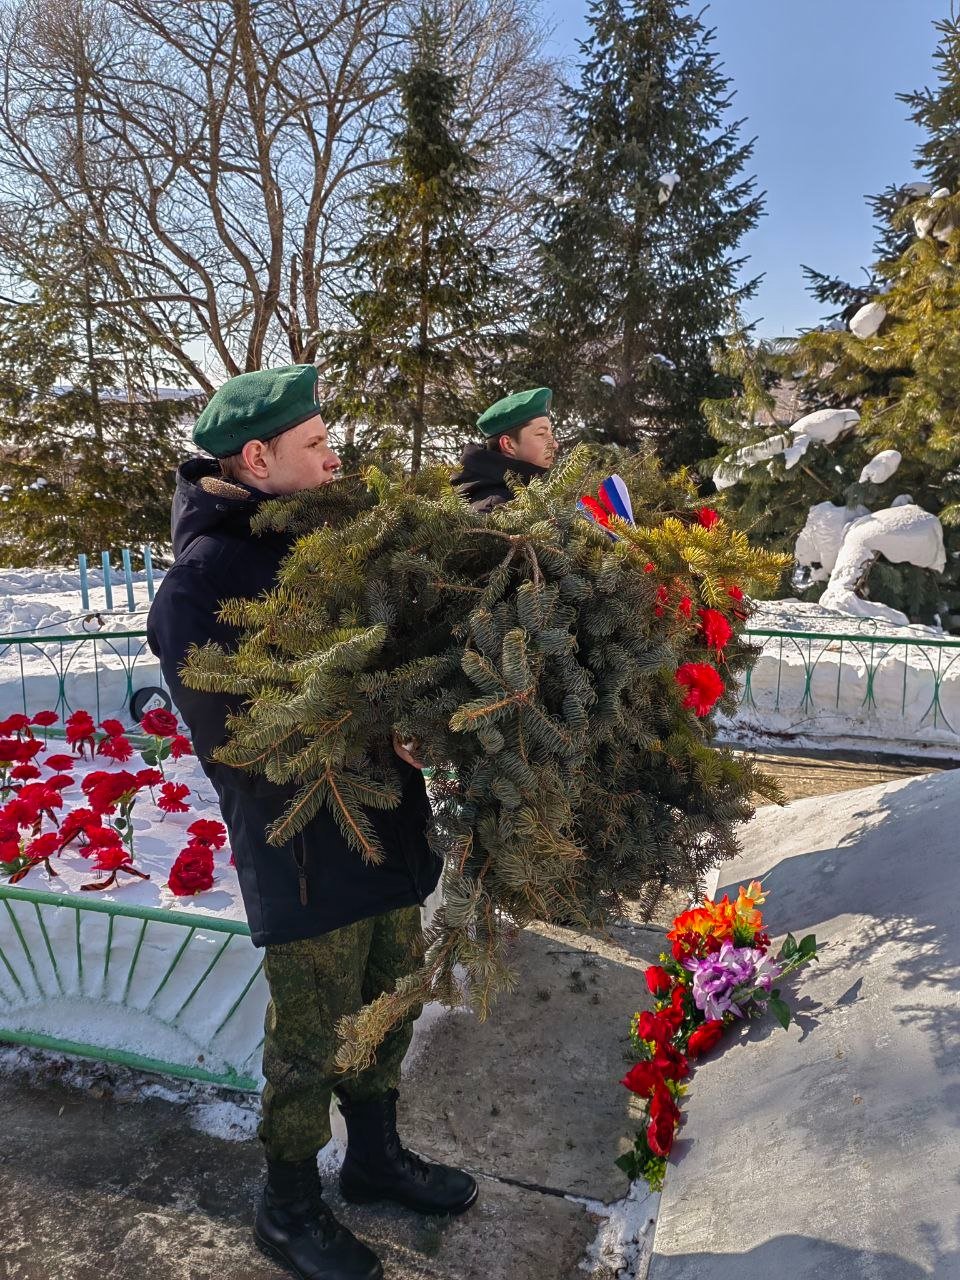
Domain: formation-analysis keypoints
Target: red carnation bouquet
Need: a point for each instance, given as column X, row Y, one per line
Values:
column 718, row 972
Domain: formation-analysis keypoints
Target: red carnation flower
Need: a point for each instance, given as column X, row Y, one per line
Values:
column 172, row 796
column 704, row 686
column 76, row 823
column 110, row 857
column 45, row 846
column 10, row 750
column 648, row 567
column 25, row 772
column 659, row 602
column 658, row 980
column 30, row 748
column 735, row 592
column 716, row 629
column 104, row 791
column 704, row 1038
column 60, row 781
column 180, row 746
column 41, row 797
column 15, row 723
column 115, row 748
column 45, row 719
column 60, row 763
column 160, row 723
column 685, row 607
column 80, row 730
column 707, row 516
column 112, row 728
column 192, row 872
column 642, row 1079
column 148, row 777
column 208, row 831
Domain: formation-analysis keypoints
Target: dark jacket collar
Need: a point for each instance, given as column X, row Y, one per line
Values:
column 484, row 471
column 203, row 503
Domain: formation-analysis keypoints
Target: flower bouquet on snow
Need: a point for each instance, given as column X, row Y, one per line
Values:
column 719, row 972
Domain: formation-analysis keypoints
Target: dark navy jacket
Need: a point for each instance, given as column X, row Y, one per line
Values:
column 217, row 558
column 482, row 480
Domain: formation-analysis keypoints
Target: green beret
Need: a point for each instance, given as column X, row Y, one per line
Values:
column 257, row 406
column 514, row 411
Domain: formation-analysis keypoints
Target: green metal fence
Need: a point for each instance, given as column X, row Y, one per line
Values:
column 904, row 691
column 99, row 671
column 168, row 991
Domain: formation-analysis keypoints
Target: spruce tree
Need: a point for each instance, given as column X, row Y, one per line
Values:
column 904, row 380
column 87, row 447
column 428, row 292
column 645, row 207
column 546, row 668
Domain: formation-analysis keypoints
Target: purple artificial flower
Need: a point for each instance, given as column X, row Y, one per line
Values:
column 729, row 975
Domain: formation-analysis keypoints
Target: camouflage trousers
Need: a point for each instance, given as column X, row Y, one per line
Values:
column 313, row 983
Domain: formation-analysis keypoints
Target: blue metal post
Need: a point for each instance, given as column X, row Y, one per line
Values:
column 107, row 585
column 128, row 578
column 148, row 566
column 84, row 585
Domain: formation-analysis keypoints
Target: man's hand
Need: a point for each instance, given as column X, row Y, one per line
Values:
column 408, row 751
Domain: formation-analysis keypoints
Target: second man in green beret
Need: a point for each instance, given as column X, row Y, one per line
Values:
column 518, row 440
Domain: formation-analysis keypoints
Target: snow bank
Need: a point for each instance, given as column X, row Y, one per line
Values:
column 865, row 692
column 93, row 674
column 902, row 535
column 819, row 541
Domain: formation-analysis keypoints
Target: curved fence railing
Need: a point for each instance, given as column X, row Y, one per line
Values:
column 895, row 691
column 98, row 671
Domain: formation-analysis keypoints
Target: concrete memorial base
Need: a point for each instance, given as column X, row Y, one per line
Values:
column 833, row 1149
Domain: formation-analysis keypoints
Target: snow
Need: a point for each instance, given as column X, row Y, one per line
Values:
column 918, row 189
column 624, row 1243
column 868, row 320
column 48, row 602
column 666, row 183
column 608, row 380
column 847, row 693
column 823, row 425
column 924, row 223
column 113, row 997
column 881, row 467
column 819, row 541
column 902, row 535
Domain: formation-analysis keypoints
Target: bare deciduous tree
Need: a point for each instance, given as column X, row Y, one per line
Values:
column 213, row 152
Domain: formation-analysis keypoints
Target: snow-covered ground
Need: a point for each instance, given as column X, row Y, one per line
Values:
column 863, row 692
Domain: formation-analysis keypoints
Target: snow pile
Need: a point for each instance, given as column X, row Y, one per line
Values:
column 902, row 535
column 624, row 1243
column 666, row 183
column 814, row 688
column 936, row 220
column 33, row 600
column 822, row 426
column 881, row 467
column 868, row 320
column 819, row 541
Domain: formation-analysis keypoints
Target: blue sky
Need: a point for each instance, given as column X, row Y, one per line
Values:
column 817, row 81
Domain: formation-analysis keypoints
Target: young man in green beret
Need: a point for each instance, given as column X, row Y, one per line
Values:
column 518, row 441
column 336, row 930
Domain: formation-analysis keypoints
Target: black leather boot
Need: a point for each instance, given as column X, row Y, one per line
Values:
column 295, row 1228
column 378, row 1167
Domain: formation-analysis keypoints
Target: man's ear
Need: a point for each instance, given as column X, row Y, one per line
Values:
column 508, row 446
column 254, row 461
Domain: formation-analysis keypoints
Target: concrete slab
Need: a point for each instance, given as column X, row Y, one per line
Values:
column 93, row 1189
column 833, row 1149
column 533, row 1093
